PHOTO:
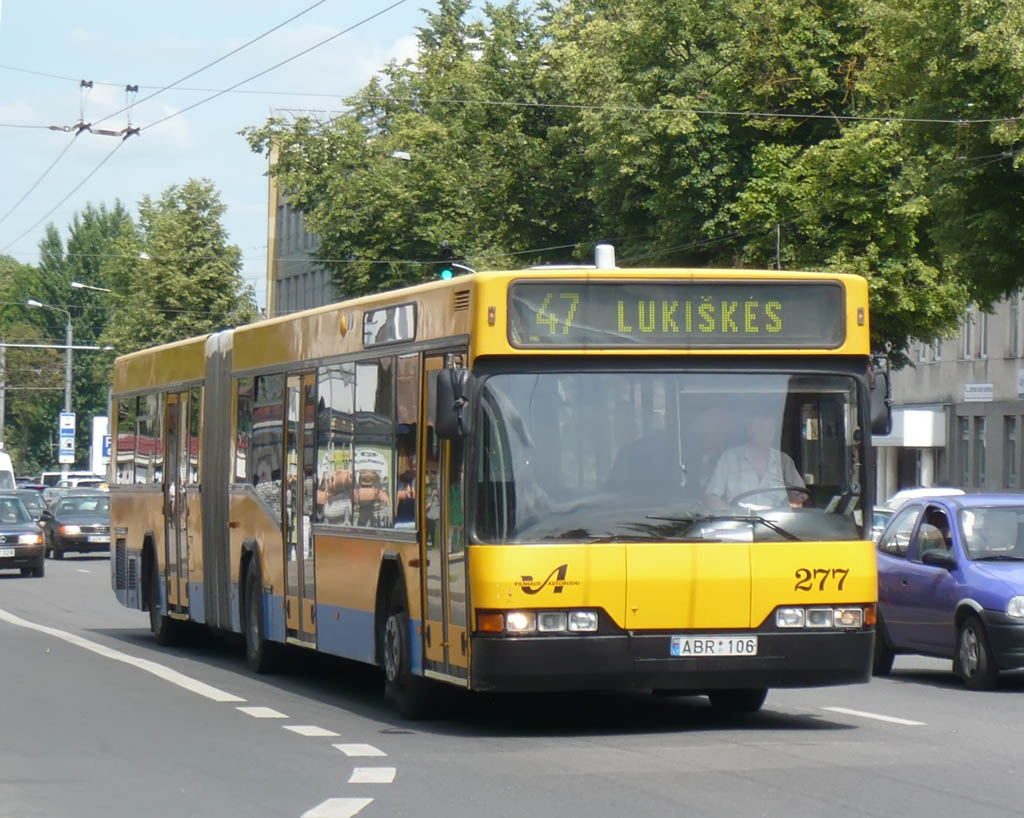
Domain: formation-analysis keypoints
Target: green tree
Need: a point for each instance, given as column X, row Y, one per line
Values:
column 28, row 375
column 90, row 248
column 688, row 133
column 176, row 275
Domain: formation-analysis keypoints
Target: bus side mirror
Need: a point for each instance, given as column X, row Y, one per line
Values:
column 881, row 398
column 452, row 413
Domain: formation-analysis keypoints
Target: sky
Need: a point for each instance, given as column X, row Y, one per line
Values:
column 152, row 45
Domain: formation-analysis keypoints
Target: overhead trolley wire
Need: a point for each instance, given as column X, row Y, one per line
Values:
column 70, row 193
column 302, row 53
column 214, row 62
column 38, row 181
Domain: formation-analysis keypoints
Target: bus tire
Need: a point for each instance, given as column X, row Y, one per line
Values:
column 166, row 631
column 260, row 654
column 407, row 692
column 883, row 656
column 738, row 701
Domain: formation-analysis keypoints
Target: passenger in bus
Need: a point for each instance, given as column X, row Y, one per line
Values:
column 370, row 499
column 405, row 506
column 756, row 473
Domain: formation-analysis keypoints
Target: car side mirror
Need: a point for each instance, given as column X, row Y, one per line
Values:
column 939, row 557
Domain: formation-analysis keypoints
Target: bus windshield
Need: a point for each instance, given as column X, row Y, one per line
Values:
column 674, row 456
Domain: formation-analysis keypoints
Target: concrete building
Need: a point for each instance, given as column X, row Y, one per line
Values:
column 294, row 281
column 958, row 409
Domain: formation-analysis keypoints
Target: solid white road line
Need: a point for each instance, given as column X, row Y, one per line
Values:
column 161, row 671
column 262, row 712
column 337, row 808
column 309, row 730
column 359, row 750
column 875, row 716
column 372, row 775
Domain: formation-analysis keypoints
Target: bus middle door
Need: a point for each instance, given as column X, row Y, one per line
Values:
column 297, row 520
column 175, row 502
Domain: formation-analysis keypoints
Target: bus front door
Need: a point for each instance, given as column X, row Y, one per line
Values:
column 443, row 547
column 175, row 504
column 299, row 497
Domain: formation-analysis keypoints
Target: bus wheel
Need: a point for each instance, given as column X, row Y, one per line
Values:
column 409, row 693
column 259, row 653
column 884, row 655
column 165, row 630
column 738, row 701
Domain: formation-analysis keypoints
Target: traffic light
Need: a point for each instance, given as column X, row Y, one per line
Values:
column 447, row 259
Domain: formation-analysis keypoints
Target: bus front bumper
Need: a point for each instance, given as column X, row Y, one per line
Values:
column 642, row 661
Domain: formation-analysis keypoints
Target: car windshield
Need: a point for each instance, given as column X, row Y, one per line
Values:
column 667, row 456
column 82, row 505
column 993, row 533
column 13, row 511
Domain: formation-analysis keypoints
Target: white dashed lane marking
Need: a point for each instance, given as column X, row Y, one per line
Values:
column 372, row 775
column 876, row 716
column 83, row 570
column 309, row 730
column 359, row 750
column 337, row 808
column 262, row 713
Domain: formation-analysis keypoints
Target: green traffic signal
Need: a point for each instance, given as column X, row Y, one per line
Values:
column 446, row 274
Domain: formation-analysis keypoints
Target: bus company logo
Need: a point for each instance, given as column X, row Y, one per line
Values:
column 556, row 579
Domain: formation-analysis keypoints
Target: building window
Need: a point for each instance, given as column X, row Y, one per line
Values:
column 967, row 336
column 922, row 352
column 982, row 334
column 965, row 448
column 1013, row 345
column 937, row 351
column 979, row 452
column 1009, row 452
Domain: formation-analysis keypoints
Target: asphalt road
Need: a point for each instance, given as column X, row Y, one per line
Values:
column 98, row 720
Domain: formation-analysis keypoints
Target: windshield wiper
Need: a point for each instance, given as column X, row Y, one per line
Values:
column 740, row 518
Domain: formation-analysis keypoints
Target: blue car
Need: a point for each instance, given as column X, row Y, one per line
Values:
column 951, row 585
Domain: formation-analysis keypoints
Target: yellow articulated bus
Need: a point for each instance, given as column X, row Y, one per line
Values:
column 549, row 479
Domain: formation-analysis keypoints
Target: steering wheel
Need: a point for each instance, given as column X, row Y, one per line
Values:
column 787, row 487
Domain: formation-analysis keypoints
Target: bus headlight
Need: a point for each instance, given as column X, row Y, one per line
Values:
column 583, row 621
column 789, row 617
column 521, row 622
column 551, row 621
column 1015, row 607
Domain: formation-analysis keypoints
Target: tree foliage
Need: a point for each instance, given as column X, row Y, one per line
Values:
column 176, row 275
column 881, row 137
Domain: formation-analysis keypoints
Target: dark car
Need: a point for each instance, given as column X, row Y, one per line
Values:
column 79, row 522
column 21, row 543
column 951, row 584
column 32, row 499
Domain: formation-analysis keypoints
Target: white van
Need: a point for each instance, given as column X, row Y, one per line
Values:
column 6, row 472
column 72, row 479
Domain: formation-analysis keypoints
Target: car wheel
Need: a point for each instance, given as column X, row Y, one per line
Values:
column 738, row 701
column 974, row 662
column 884, row 655
column 410, row 694
column 260, row 654
column 39, row 570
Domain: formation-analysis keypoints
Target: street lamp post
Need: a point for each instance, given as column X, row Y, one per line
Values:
column 64, row 467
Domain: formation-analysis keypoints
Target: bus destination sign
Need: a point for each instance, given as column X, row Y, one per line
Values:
column 687, row 314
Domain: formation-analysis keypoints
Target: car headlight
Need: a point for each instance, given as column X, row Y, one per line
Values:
column 1015, row 607
column 29, row 539
column 71, row 530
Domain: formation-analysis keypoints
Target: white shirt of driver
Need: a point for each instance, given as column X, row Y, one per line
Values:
column 736, row 474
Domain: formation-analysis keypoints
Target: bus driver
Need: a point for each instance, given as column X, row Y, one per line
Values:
column 742, row 470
